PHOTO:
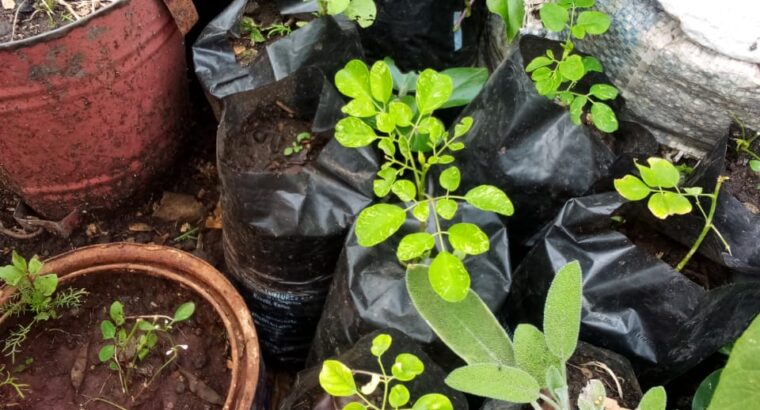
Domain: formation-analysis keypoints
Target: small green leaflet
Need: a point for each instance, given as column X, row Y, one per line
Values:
column 377, row 223
column 489, row 198
column 337, row 379
column 449, row 277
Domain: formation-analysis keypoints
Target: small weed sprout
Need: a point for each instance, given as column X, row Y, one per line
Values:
column 278, row 30
column 35, row 295
column 660, row 183
column 127, row 346
column 297, row 145
column 556, row 78
column 337, row 380
column 413, row 141
column 363, row 12
column 7, row 379
column 249, row 27
column 744, row 146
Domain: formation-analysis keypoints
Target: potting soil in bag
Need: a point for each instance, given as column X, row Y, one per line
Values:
column 635, row 303
column 369, row 288
column 307, row 394
column 527, row 145
column 286, row 216
column 420, row 34
column 322, row 43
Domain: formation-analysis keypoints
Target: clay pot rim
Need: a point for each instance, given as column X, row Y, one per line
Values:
column 189, row 272
column 63, row 30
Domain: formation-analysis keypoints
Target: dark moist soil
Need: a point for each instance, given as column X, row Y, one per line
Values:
column 588, row 363
column 743, row 183
column 32, row 19
column 55, row 346
column 266, row 134
column 700, row 270
column 264, row 13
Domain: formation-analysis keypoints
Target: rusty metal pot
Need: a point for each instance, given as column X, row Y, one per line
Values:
column 188, row 271
column 91, row 111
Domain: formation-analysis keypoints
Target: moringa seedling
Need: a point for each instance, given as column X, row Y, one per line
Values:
column 532, row 369
column 556, row 77
column 413, row 141
column 660, row 183
column 297, row 145
column 363, row 12
column 35, row 295
column 338, row 380
column 126, row 346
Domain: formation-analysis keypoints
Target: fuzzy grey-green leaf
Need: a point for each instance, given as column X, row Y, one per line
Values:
column 495, row 381
column 562, row 311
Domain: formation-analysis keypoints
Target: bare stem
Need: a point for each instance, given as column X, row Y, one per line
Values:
column 707, row 227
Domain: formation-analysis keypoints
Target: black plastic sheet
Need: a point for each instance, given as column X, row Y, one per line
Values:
column 308, row 395
column 323, row 43
column 369, row 288
column 283, row 231
column 527, row 145
column 420, row 34
column 634, row 303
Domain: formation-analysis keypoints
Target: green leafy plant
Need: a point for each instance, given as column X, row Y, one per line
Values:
column 512, row 13
column 253, row 30
column 297, row 145
column 363, row 12
column 7, row 379
column 736, row 386
column 127, row 346
column 744, row 146
column 556, row 78
column 413, row 141
column 660, row 183
column 467, row 83
column 532, row 369
column 337, row 380
column 278, row 30
column 35, row 295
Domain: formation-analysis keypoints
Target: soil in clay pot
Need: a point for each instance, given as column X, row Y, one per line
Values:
column 56, row 349
column 262, row 143
column 743, row 183
column 261, row 25
column 29, row 18
column 700, row 269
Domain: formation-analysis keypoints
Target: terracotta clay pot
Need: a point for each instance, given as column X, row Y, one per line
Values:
column 187, row 271
column 93, row 110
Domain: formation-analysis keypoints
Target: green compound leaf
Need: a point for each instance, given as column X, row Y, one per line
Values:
column 107, row 329
column 592, row 64
column 11, row 275
column 398, row 396
column 433, row 90
column 404, row 190
column 337, row 6
column 576, row 109
column 489, row 198
column 450, row 178
column 382, row 187
column 46, row 284
column 414, row 245
column 656, row 399
column 495, row 381
column 360, row 107
column 594, row 22
column 632, row 188
column 387, row 146
column 660, row 173
column 604, row 91
column 532, row 354
column 468, row 238
column 433, row 127
column 385, row 122
column 541, row 73
column 19, row 262
column 184, row 311
column 737, row 388
column 353, row 80
column 421, row 211
column 363, row 12
column 377, row 223
column 433, row 401
column 354, row 133
column 117, row 313
column 603, row 117
column 337, row 379
column 401, row 113
column 35, row 265
column 562, row 311
column 381, row 82
column 572, row 68
column 106, row 353
column 446, row 208
column 705, row 391
column 449, row 277
column 538, row 62
column 463, row 127
column 665, row 204
column 407, row 367
column 554, row 17
column 354, row 406
column 380, row 344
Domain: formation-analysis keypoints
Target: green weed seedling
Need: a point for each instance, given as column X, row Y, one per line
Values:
column 413, row 141
column 530, row 370
column 35, row 295
column 556, row 76
column 337, row 380
column 363, row 12
column 8, row 380
column 297, row 145
column 259, row 34
column 744, row 146
column 660, row 183
column 126, row 346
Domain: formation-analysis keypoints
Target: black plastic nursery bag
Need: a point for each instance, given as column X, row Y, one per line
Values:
column 283, row 230
column 323, row 43
column 633, row 303
column 369, row 288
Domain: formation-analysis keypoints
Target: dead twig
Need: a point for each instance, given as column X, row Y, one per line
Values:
column 15, row 19
column 69, row 8
column 285, row 108
column 19, row 235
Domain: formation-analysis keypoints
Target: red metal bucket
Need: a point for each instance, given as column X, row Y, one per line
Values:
column 90, row 112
